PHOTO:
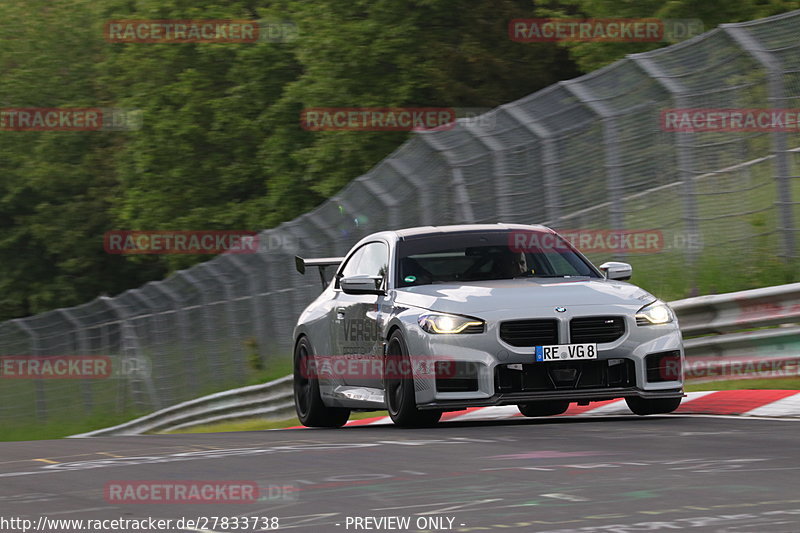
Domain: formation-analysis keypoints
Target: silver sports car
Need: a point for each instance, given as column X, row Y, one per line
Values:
column 425, row 320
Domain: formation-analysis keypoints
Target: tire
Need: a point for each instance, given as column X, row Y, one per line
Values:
column 399, row 388
column 311, row 411
column 644, row 406
column 545, row 408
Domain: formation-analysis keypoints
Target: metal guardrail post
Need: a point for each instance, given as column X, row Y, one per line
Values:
column 614, row 183
column 41, row 400
column 252, row 285
column 549, row 163
column 83, row 347
column 229, row 311
column 777, row 94
column 391, row 204
column 184, row 332
column 685, row 161
column 426, row 200
column 206, row 306
column 460, row 193
column 502, row 186
column 122, row 319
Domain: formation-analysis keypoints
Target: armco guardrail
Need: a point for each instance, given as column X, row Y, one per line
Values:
column 719, row 319
column 270, row 400
column 740, row 324
column 734, row 311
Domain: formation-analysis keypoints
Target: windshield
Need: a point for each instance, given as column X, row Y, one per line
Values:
column 453, row 258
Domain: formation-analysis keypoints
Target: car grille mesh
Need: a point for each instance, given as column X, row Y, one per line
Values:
column 529, row 332
column 596, row 329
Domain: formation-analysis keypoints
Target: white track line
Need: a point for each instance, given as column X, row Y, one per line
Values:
column 380, row 421
column 497, row 412
column 617, row 407
column 690, row 396
column 789, row 406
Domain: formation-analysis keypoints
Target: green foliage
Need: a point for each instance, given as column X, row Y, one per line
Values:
column 221, row 146
column 593, row 55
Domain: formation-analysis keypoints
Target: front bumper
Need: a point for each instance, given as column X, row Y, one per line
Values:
column 514, row 398
column 487, row 353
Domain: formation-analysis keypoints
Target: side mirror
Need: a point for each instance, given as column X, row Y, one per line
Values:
column 362, row 284
column 617, row 270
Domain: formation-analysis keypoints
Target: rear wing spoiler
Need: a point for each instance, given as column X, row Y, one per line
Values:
column 320, row 263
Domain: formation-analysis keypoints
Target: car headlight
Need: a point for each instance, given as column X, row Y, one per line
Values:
column 440, row 323
column 654, row 313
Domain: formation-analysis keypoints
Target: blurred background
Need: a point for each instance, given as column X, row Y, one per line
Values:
column 218, row 145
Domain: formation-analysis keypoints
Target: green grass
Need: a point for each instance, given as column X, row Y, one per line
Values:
column 260, row 424
column 737, row 384
column 721, row 264
column 70, row 418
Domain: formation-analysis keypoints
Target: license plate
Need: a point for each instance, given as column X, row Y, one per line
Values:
column 566, row 352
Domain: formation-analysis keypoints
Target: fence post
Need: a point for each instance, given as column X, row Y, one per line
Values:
column 425, row 199
column 184, row 334
column 252, row 288
column 502, row 185
column 229, row 311
column 461, row 198
column 611, row 149
column 685, row 163
column 83, row 347
column 208, row 323
column 124, row 328
column 783, row 184
column 549, row 164
column 41, row 401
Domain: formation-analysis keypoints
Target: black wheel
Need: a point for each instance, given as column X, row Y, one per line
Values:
column 544, row 408
column 399, row 388
column 645, row 406
column 311, row 411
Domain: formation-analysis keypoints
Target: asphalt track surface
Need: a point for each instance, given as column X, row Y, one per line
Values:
column 619, row 474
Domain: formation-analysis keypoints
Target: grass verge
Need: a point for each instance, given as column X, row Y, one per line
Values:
column 737, row 384
column 260, row 424
column 77, row 421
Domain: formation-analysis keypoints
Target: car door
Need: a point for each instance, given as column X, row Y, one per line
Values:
column 356, row 319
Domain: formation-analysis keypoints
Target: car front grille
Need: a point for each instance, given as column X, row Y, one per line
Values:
column 540, row 332
column 568, row 375
column 596, row 329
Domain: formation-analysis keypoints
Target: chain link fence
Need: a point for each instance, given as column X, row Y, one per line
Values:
column 589, row 153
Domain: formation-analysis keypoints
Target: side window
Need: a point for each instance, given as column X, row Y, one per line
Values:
column 375, row 261
column 351, row 267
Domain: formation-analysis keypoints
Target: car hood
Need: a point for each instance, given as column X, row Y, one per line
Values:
column 522, row 294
